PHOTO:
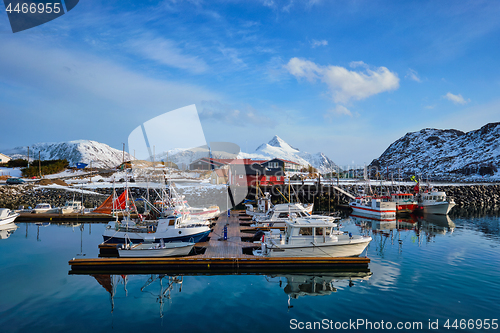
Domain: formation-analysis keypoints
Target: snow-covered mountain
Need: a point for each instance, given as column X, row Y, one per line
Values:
column 445, row 153
column 85, row 151
column 278, row 148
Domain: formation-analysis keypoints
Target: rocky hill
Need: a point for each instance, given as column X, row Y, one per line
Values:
column 445, row 154
column 84, row 151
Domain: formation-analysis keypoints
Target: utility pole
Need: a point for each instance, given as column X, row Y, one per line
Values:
column 123, row 153
column 28, row 156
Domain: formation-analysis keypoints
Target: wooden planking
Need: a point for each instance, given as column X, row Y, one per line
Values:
column 220, row 256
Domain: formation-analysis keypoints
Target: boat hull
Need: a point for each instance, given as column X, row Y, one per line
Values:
column 9, row 219
column 381, row 214
column 439, row 208
column 342, row 249
column 145, row 250
column 119, row 237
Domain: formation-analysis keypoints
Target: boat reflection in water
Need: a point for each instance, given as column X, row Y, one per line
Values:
column 421, row 228
column 7, row 229
column 160, row 286
column 317, row 284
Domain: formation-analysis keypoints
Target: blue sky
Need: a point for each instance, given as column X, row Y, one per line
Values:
column 346, row 78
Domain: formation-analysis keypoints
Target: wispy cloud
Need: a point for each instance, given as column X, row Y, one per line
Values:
column 338, row 111
column 316, row 43
column 344, row 84
column 166, row 52
column 412, row 75
column 457, row 99
column 241, row 117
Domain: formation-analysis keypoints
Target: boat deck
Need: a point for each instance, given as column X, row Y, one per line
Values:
column 221, row 256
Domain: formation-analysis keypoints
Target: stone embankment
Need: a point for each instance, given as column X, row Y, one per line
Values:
column 464, row 195
column 14, row 196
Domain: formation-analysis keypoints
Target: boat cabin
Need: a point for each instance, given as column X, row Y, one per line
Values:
column 304, row 231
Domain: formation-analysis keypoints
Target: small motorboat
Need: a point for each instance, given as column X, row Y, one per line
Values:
column 155, row 250
column 305, row 237
column 44, row 208
column 7, row 216
column 72, row 207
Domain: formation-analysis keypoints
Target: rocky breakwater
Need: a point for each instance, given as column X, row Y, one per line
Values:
column 473, row 195
column 13, row 197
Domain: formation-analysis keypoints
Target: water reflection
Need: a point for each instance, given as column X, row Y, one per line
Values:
column 7, row 229
column 316, row 284
column 417, row 229
column 159, row 286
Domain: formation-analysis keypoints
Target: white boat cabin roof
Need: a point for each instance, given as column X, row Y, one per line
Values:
column 305, row 222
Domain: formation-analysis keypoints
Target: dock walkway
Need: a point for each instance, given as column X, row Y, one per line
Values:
column 220, row 256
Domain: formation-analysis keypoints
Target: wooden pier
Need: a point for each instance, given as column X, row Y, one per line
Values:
column 220, row 256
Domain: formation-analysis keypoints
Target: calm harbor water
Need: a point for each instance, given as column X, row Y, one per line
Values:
column 428, row 269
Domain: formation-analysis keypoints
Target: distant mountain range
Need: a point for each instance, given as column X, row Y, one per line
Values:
column 278, row 148
column 84, row 151
column 103, row 156
column 445, row 154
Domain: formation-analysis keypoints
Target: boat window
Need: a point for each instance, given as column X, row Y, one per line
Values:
column 319, row 231
column 305, row 231
column 283, row 215
column 378, row 204
column 328, row 231
column 171, row 222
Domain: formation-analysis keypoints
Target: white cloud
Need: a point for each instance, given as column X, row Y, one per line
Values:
column 166, row 52
column 412, row 75
column 316, row 43
column 338, row 111
column 345, row 84
column 457, row 99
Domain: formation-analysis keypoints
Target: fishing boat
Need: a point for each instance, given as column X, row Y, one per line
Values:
column 280, row 213
column 7, row 216
column 155, row 250
column 169, row 229
column 405, row 203
column 263, row 206
column 435, row 202
column 305, row 237
column 380, row 207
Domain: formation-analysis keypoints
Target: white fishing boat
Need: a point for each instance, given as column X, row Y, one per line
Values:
column 305, row 237
column 72, row 207
column 155, row 250
column 281, row 213
column 263, row 206
column 169, row 229
column 45, row 208
column 380, row 207
column 435, row 202
column 7, row 216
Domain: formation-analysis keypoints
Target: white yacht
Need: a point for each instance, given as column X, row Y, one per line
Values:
column 305, row 237
column 169, row 229
column 7, row 216
column 44, row 208
column 380, row 207
column 435, row 202
column 280, row 213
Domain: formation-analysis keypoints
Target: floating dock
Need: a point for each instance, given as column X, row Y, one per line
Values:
column 220, row 256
